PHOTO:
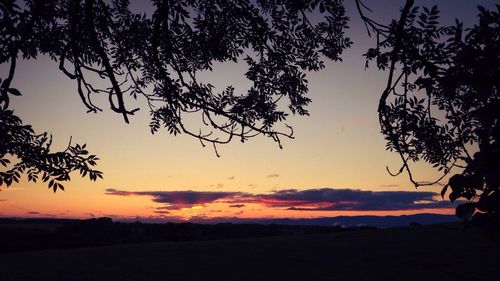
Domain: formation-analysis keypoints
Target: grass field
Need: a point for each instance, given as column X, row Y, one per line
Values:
column 411, row 253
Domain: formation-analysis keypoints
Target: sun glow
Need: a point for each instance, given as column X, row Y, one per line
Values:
column 191, row 208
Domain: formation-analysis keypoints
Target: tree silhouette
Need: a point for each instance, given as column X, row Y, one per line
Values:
column 442, row 102
column 34, row 156
column 159, row 58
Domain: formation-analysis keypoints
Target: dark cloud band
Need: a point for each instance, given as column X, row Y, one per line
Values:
column 321, row 199
column 178, row 199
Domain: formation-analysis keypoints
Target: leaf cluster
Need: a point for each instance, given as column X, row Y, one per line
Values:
column 24, row 152
column 160, row 57
column 442, row 101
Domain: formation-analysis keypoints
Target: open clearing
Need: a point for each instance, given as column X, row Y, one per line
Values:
column 411, row 253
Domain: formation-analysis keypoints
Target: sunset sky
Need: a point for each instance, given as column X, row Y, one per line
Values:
column 336, row 165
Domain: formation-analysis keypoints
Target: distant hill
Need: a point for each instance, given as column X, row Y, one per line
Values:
column 341, row 221
column 345, row 221
column 36, row 233
column 353, row 221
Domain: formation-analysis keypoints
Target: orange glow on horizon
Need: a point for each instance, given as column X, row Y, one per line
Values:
column 192, row 208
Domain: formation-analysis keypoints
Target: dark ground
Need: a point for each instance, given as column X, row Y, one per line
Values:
column 18, row 235
column 410, row 253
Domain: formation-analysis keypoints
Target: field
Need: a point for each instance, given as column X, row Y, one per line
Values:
column 410, row 253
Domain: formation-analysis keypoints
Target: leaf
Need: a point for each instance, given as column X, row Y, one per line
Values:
column 434, row 10
column 14, row 92
column 4, row 162
column 443, row 191
column 482, row 10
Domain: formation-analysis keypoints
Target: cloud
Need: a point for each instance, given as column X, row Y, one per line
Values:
column 341, row 130
column 320, row 199
column 273, row 176
column 237, row 205
column 162, row 212
column 231, row 178
column 175, row 200
column 47, row 215
column 326, row 199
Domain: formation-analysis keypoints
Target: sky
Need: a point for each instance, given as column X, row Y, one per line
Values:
column 336, row 165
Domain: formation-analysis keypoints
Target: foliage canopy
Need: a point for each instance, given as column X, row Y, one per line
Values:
column 442, row 101
column 159, row 58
